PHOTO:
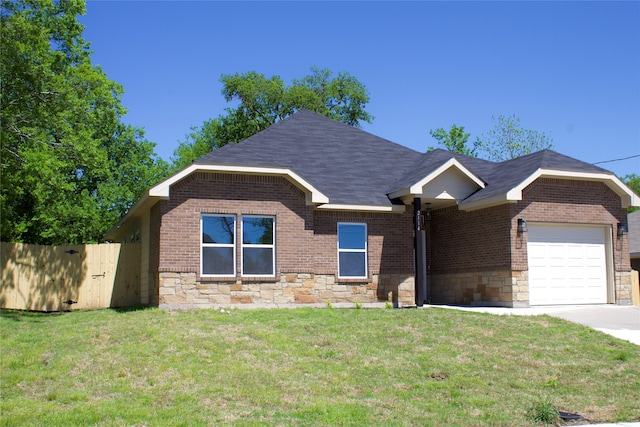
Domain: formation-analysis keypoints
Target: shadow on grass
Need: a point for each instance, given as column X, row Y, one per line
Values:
column 131, row 308
column 25, row 315
column 39, row 316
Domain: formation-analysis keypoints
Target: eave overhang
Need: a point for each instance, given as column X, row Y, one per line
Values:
column 627, row 197
column 161, row 190
column 314, row 196
column 361, row 208
column 417, row 189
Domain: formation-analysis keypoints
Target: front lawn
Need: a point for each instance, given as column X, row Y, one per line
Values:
column 303, row 367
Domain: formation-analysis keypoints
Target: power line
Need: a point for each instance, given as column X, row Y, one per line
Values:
column 617, row 160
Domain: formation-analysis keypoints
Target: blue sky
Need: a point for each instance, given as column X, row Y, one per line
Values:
column 571, row 69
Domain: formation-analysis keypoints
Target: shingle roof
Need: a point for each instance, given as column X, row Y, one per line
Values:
column 506, row 175
column 432, row 160
column 351, row 166
column 348, row 165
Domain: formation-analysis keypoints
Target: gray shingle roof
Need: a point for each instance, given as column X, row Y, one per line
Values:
column 348, row 165
column 432, row 160
column 508, row 174
column 351, row 166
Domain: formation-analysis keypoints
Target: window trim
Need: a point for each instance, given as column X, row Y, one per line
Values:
column 218, row 245
column 272, row 246
column 365, row 250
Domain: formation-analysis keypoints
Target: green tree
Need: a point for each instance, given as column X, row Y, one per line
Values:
column 633, row 182
column 455, row 140
column 200, row 141
column 70, row 167
column 264, row 101
column 508, row 140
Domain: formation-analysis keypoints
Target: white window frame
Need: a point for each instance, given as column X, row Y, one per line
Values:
column 272, row 246
column 218, row 245
column 365, row 250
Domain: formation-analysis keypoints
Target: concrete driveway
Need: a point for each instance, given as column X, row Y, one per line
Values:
column 620, row 321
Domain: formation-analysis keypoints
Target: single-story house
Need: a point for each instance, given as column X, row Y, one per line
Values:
column 311, row 211
column 634, row 239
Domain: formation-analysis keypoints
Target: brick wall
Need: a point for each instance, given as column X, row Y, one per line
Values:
column 390, row 241
column 470, row 257
column 306, row 243
column 463, row 241
column 573, row 202
column 477, row 257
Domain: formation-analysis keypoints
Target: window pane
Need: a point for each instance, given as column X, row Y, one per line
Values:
column 258, row 261
column 217, row 229
column 351, row 236
column 217, row 261
column 352, row 264
column 257, row 231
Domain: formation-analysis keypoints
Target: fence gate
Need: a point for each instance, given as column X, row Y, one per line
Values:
column 52, row 278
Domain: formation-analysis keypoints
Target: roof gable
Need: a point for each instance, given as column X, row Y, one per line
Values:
column 438, row 175
column 507, row 179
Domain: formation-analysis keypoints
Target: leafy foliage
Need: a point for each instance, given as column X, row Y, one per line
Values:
column 508, row 140
column 70, row 167
column 544, row 412
column 633, row 182
column 455, row 140
column 264, row 101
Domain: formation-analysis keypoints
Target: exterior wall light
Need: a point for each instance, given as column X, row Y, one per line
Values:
column 622, row 230
column 522, row 226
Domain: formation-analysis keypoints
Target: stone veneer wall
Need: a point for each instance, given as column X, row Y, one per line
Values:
column 500, row 288
column 623, row 287
column 183, row 290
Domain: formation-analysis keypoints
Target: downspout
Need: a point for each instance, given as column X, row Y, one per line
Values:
column 419, row 246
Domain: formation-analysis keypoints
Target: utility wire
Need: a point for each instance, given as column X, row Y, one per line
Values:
column 617, row 160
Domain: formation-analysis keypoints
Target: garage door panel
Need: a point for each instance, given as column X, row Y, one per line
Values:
column 567, row 264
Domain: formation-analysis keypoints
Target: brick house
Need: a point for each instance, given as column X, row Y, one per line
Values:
column 311, row 211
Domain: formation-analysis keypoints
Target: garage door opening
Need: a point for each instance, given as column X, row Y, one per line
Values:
column 567, row 264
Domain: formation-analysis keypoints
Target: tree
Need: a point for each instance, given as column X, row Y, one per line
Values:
column 264, row 101
column 508, row 140
column 633, row 182
column 455, row 140
column 200, row 141
column 70, row 167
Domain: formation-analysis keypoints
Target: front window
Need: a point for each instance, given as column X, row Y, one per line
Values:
column 352, row 250
column 218, row 245
column 258, row 246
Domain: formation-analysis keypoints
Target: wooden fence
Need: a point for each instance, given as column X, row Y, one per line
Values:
column 46, row 278
column 635, row 287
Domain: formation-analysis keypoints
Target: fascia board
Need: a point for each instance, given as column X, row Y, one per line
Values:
column 162, row 189
column 397, row 194
column 131, row 213
column 416, row 188
column 362, row 208
column 484, row 203
column 627, row 197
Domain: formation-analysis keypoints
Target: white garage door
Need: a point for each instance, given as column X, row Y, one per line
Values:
column 567, row 264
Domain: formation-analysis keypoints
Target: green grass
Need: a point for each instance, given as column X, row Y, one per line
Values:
column 307, row 367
